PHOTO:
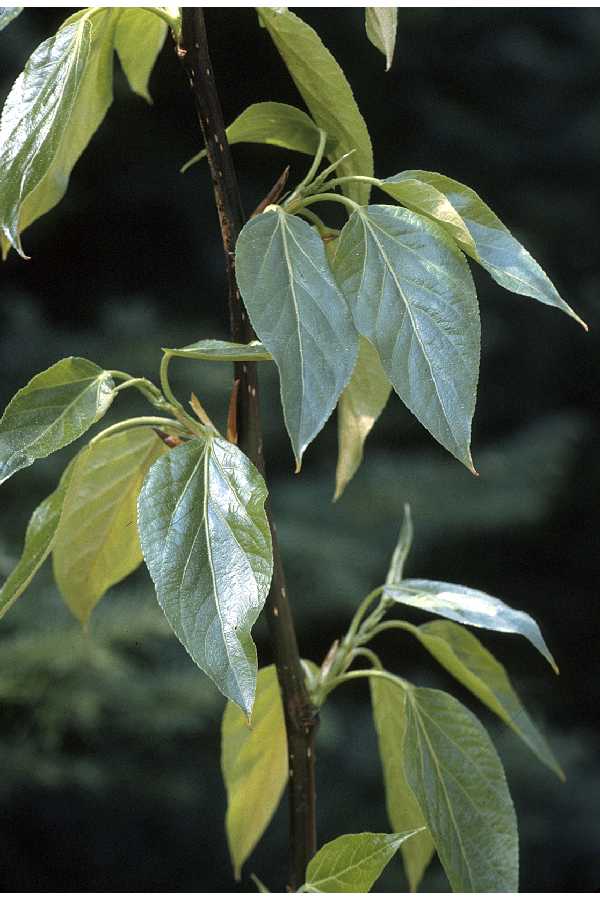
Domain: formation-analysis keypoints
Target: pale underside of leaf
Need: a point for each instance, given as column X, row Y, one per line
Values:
column 206, row 541
column 468, row 606
column 326, row 92
column 412, row 295
column 380, row 24
column 223, row 351
column 139, row 38
column 8, row 13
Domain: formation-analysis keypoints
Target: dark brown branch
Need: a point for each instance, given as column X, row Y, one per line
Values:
column 300, row 716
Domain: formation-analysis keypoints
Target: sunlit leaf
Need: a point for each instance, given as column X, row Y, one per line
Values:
column 8, row 13
column 54, row 409
column 139, row 37
column 412, row 295
column 97, row 542
column 254, row 765
column 300, row 316
column 380, row 24
column 326, row 92
column 223, row 351
column 206, row 541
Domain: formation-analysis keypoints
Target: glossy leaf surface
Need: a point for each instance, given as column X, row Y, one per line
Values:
column 223, row 351
column 278, row 124
column 300, row 316
column 381, row 23
column 469, row 607
column 389, row 715
column 139, row 37
column 501, row 254
column 8, row 13
column 52, row 111
column 54, row 409
column 97, row 542
column 352, row 862
column 466, row 658
column 206, row 541
column 411, row 294
column 360, row 405
column 39, row 539
column 457, row 778
column 254, row 765
column 326, row 92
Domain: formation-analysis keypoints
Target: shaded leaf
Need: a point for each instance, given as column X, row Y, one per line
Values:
column 223, row 351
column 301, row 317
column 254, row 765
column 39, row 539
column 425, row 198
column 206, row 541
column 326, row 92
column 412, row 295
column 8, row 13
column 97, row 543
column 54, row 409
column 278, row 124
column 468, row 607
column 389, row 716
column 458, row 780
column 52, row 111
column 402, row 549
column 139, row 37
column 360, row 405
column 496, row 249
column 352, row 862
column 380, row 24
column 466, row 658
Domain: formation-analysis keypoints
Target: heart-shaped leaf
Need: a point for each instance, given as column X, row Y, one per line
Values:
column 206, row 541
column 139, row 37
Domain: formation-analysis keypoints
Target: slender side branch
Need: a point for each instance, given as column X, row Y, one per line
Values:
column 300, row 715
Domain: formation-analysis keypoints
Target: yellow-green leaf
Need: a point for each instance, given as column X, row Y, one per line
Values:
column 223, row 351
column 254, row 765
column 381, row 23
column 97, row 543
column 139, row 37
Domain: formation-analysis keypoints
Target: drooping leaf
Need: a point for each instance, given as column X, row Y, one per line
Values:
column 389, row 716
column 402, row 549
column 359, row 407
column 8, row 13
column 507, row 261
column 459, row 783
column 39, row 539
column 278, row 124
column 54, row 409
column 300, row 316
column 52, row 111
column 97, row 543
column 411, row 294
column 254, row 765
column 223, row 351
column 381, row 23
column 468, row 607
column 466, row 658
column 352, row 862
column 326, row 92
column 206, row 541
column 139, row 37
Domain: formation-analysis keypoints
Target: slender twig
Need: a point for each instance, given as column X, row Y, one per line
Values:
column 300, row 715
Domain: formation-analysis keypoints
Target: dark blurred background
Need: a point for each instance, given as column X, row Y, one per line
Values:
column 109, row 741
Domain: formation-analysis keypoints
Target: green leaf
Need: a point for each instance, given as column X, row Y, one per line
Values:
column 459, row 651
column 352, row 862
column 326, row 92
column 54, row 409
column 389, row 716
column 206, row 541
column 277, row 124
column 457, row 778
column 255, row 767
column 301, row 317
column 139, row 37
column 380, row 24
column 468, row 607
column 52, row 111
column 412, row 295
column 8, row 13
column 97, row 542
column 495, row 249
column 402, row 549
column 359, row 407
column 39, row 539
column 223, row 351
